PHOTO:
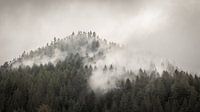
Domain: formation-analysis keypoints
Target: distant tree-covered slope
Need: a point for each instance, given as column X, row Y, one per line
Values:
column 86, row 44
column 63, row 77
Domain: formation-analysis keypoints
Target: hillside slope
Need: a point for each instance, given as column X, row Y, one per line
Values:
column 87, row 45
column 95, row 51
column 83, row 73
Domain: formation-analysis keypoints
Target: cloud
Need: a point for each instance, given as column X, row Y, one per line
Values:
column 42, row 59
column 168, row 28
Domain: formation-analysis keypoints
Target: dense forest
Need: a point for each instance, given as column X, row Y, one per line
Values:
column 63, row 86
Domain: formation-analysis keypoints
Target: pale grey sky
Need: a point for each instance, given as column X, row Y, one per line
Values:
column 168, row 28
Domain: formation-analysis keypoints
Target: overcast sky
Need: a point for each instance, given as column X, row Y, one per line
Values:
column 168, row 28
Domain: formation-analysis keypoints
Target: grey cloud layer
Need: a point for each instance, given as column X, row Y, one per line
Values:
column 26, row 25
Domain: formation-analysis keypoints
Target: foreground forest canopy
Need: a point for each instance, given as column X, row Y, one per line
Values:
column 64, row 86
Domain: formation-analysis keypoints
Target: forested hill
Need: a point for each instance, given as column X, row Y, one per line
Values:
column 61, row 77
column 86, row 44
column 95, row 51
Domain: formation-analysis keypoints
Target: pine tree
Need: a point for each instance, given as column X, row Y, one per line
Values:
column 157, row 107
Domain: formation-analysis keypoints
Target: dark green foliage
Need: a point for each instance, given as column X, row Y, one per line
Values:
column 55, row 88
column 64, row 88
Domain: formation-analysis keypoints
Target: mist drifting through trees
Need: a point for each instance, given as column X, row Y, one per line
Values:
column 73, row 75
column 99, row 56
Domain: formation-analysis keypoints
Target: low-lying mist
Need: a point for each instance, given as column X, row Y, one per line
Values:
column 113, row 62
column 125, row 63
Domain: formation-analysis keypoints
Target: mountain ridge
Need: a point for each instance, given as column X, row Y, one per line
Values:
column 94, row 49
column 86, row 44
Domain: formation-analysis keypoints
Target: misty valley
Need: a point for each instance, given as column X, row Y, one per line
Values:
column 83, row 72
